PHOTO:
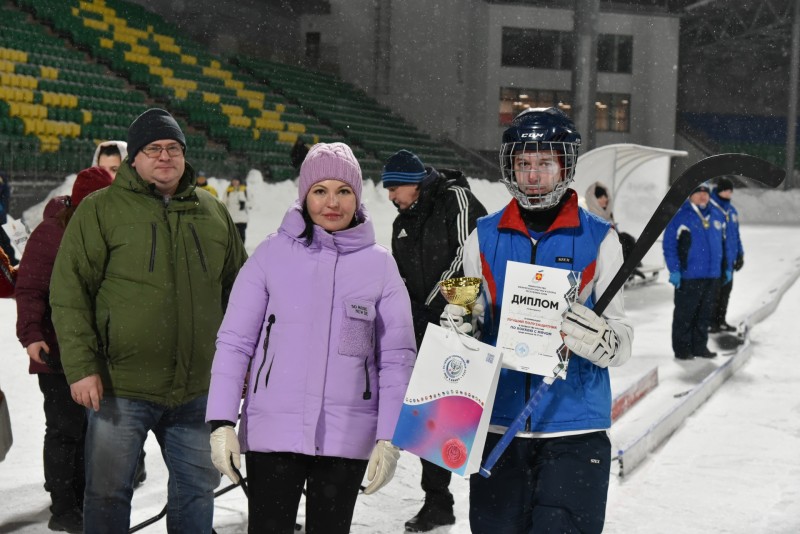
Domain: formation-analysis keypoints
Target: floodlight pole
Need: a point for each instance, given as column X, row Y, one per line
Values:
column 791, row 115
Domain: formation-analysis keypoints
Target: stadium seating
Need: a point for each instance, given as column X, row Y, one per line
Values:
column 56, row 102
column 760, row 136
column 360, row 119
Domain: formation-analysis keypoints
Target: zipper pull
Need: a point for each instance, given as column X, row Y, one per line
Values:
column 270, row 322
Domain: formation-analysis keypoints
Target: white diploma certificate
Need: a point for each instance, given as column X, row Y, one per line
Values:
column 534, row 301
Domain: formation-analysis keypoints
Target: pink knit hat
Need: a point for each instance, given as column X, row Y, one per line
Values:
column 330, row 161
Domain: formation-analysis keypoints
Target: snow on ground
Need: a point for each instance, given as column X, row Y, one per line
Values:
column 732, row 467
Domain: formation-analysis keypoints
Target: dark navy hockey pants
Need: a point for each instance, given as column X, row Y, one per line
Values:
column 551, row 485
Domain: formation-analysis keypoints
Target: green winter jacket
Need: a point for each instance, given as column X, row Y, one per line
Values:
column 140, row 285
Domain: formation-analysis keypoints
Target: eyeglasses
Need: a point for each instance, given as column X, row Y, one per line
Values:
column 154, row 151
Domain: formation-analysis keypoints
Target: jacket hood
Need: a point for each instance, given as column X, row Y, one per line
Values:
column 128, row 178
column 721, row 201
column 688, row 206
column 343, row 241
column 122, row 146
column 55, row 205
column 592, row 204
column 433, row 185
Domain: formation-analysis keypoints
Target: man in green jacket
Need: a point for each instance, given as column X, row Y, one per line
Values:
column 138, row 292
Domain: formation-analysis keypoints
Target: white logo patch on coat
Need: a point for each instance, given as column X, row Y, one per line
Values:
column 364, row 311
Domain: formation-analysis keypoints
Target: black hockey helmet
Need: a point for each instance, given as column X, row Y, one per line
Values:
column 536, row 130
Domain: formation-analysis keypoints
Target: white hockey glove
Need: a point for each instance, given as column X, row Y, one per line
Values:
column 225, row 452
column 382, row 463
column 465, row 323
column 588, row 335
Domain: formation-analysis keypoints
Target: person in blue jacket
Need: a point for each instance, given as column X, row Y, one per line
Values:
column 693, row 253
column 554, row 475
column 733, row 252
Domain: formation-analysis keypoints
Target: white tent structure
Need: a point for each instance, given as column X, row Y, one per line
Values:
column 638, row 178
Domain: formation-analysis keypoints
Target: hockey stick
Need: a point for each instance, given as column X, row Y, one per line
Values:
column 242, row 482
column 745, row 165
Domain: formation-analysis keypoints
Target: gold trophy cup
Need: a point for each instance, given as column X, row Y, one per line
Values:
column 464, row 292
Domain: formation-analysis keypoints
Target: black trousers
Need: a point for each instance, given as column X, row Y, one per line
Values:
column 276, row 481
column 242, row 227
column 435, row 482
column 723, row 297
column 543, row 485
column 694, row 302
column 65, row 430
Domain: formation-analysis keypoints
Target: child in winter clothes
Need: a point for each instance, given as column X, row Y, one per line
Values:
column 321, row 317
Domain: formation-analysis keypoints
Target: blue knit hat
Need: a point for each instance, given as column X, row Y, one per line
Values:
column 403, row 168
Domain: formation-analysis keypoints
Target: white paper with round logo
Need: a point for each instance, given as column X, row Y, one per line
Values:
column 534, row 300
column 448, row 403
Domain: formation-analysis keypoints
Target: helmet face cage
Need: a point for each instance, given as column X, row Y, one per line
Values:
column 567, row 153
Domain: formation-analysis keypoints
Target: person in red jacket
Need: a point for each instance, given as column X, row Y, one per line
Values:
column 65, row 420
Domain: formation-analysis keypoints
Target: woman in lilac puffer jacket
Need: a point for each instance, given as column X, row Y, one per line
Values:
column 321, row 319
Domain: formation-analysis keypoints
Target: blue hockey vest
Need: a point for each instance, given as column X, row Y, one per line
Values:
column 583, row 400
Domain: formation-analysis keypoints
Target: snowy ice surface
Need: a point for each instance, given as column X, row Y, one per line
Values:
column 732, row 467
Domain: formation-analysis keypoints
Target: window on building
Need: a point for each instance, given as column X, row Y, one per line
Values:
column 534, row 48
column 612, row 110
column 312, row 46
column 513, row 101
column 615, row 53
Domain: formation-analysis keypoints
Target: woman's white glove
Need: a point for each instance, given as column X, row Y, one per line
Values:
column 460, row 316
column 225, row 452
column 588, row 335
column 382, row 463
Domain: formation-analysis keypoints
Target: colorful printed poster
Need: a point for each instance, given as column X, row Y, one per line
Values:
column 446, row 410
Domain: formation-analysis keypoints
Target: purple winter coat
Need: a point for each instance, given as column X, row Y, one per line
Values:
column 326, row 333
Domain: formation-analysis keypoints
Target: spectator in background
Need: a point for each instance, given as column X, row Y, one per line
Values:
column 109, row 155
column 298, row 153
column 236, row 201
column 437, row 211
column 202, row 183
column 733, row 253
column 693, row 254
column 138, row 291
column 320, row 317
column 65, row 421
column 5, row 241
column 598, row 201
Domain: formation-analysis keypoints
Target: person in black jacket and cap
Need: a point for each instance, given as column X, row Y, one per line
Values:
column 733, row 253
column 437, row 212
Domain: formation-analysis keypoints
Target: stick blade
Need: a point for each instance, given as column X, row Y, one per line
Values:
column 744, row 165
